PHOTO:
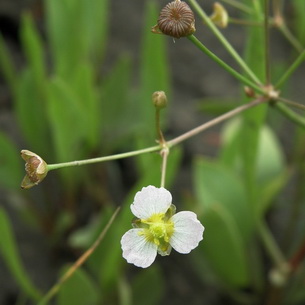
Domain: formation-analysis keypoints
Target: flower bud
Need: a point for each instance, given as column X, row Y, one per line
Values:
column 249, row 92
column 36, row 169
column 176, row 19
column 159, row 99
column 278, row 277
column 220, row 15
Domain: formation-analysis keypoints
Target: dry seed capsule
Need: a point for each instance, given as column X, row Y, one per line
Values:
column 36, row 169
column 176, row 19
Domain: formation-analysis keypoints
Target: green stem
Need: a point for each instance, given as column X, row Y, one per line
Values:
column 267, row 43
column 158, row 128
column 290, row 114
column 242, row 7
column 169, row 144
column 224, row 41
column 276, row 8
column 103, row 159
column 289, row 36
column 229, row 69
column 164, row 154
column 291, row 69
column 244, row 22
column 271, row 245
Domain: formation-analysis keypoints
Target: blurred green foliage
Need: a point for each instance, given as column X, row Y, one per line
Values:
column 67, row 110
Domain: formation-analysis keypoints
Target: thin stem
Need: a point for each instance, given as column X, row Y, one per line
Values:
column 280, row 23
column 78, row 263
column 271, row 246
column 291, row 69
column 159, row 147
column 164, row 154
column 216, row 121
column 291, row 103
column 244, row 22
column 103, row 159
column 158, row 127
column 267, row 43
column 291, row 115
column 277, row 7
column 242, row 7
column 280, row 106
column 224, row 41
column 233, row 72
column 282, row 267
column 290, row 37
column 298, row 257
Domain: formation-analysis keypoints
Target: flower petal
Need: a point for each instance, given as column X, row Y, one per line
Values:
column 137, row 250
column 188, row 232
column 151, row 200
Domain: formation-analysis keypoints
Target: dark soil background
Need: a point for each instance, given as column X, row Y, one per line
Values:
column 194, row 76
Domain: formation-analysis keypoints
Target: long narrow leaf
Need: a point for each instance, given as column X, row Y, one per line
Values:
column 7, row 66
column 10, row 254
column 10, row 163
column 154, row 76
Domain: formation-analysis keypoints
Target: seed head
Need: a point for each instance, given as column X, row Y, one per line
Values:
column 176, row 19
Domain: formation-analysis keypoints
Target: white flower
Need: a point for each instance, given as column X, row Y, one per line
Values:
column 157, row 229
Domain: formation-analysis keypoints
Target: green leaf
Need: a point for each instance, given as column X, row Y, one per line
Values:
column 270, row 190
column 154, row 76
column 32, row 46
column 95, row 25
column 148, row 280
column 9, row 252
column 217, row 106
column 68, row 118
column 77, row 32
column 299, row 19
column 253, row 120
column 7, row 67
column 218, row 185
column 230, row 151
column 86, row 97
column 31, row 113
column 227, row 219
column 78, row 289
column 11, row 172
column 223, row 247
column 116, row 103
column 270, row 172
column 64, row 28
column 154, row 72
column 124, row 292
column 270, row 159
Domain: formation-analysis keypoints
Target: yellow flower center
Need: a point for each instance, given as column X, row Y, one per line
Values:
column 159, row 229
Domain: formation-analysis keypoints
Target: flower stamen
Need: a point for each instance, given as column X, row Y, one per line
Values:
column 158, row 228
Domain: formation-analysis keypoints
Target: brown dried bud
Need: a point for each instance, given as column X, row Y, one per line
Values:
column 176, row 19
column 159, row 99
column 36, row 169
